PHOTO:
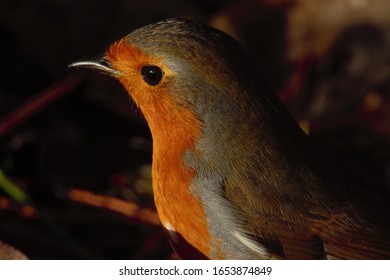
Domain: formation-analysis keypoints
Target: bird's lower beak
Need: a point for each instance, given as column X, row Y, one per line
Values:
column 101, row 65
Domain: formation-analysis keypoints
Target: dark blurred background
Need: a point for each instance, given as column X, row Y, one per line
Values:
column 75, row 153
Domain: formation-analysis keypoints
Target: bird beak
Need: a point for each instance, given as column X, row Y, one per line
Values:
column 102, row 65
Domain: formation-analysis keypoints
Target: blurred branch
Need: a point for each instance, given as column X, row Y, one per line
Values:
column 123, row 207
column 37, row 103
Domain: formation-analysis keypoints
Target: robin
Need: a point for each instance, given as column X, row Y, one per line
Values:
column 234, row 177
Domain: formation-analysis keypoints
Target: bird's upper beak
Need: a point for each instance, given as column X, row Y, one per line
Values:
column 102, row 65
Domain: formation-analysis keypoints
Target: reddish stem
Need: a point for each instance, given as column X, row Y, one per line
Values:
column 37, row 103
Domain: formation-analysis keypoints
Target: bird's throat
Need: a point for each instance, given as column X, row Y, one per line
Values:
column 179, row 209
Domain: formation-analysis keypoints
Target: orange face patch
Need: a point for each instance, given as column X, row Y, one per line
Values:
column 175, row 130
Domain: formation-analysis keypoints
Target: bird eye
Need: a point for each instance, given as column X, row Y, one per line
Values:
column 152, row 74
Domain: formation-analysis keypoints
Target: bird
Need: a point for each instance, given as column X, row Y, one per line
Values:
column 234, row 176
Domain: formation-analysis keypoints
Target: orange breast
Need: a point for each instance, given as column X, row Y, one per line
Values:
column 178, row 208
column 175, row 130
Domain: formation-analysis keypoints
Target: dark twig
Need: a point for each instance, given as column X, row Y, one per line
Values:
column 37, row 103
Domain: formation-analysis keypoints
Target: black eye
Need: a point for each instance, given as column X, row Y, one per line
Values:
column 152, row 74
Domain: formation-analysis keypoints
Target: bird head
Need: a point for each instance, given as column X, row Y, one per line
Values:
column 176, row 64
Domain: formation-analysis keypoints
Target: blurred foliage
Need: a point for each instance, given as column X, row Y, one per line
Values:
column 12, row 189
column 82, row 153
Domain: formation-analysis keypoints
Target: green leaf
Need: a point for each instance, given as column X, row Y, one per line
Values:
column 11, row 189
